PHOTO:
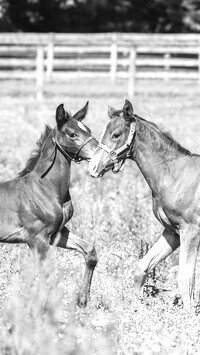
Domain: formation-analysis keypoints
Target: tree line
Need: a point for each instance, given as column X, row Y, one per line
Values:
column 100, row 15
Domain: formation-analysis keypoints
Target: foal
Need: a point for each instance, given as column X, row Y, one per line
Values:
column 37, row 204
column 173, row 174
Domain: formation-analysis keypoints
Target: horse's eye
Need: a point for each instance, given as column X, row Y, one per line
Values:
column 116, row 135
column 72, row 135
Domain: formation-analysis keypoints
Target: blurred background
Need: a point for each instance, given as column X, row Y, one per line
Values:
column 100, row 16
column 45, row 42
column 72, row 51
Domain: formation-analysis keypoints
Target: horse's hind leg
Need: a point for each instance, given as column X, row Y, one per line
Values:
column 188, row 255
column 165, row 245
column 68, row 240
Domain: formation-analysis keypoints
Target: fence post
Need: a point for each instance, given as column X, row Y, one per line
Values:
column 50, row 56
column 39, row 72
column 113, row 59
column 132, row 72
column 167, row 65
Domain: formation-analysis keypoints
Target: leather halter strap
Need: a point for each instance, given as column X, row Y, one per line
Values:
column 115, row 153
column 67, row 156
column 76, row 159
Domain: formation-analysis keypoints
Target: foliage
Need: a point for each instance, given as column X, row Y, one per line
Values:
column 5, row 23
column 99, row 16
column 192, row 18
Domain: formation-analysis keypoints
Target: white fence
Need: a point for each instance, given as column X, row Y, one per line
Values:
column 130, row 56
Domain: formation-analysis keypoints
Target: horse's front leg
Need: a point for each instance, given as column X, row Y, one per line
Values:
column 190, row 241
column 66, row 239
column 166, row 244
column 39, row 244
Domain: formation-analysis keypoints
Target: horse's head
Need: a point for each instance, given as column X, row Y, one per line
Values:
column 72, row 136
column 115, row 141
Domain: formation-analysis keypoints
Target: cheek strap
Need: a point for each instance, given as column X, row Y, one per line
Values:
column 114, row 153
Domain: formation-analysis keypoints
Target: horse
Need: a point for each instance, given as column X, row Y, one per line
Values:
column 173, row 175
column 37, row 204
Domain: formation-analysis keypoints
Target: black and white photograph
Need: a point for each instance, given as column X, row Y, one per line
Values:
column 99, row 177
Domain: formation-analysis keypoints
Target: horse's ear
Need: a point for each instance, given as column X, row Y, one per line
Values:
column 80, row 115
column 61, row 116
column 128, row 110
column 111, row 111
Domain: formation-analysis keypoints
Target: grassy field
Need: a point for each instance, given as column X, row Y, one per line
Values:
column 38, row 312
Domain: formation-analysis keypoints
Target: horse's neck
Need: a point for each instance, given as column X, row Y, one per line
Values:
column 155, row 155
column 58, row 178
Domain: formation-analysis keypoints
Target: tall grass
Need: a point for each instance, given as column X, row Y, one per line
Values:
column 38, row 312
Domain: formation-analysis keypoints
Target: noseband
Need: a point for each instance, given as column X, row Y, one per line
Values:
column 116, row 154
column 57, row 146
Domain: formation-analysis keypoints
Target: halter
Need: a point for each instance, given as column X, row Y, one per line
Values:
column 114, row 154
column 58, row 146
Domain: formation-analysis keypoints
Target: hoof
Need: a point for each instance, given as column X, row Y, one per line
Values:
column 177, row 301
column 81, row 301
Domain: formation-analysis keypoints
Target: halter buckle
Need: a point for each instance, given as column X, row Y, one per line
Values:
column 77, row 161
column 113, row 155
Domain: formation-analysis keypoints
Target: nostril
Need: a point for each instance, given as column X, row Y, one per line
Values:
column 92, row 166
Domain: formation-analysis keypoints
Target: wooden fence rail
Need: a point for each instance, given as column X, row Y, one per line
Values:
column 45, row 57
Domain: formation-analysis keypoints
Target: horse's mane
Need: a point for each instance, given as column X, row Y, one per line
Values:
column 32, row 161
column 166, row 135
